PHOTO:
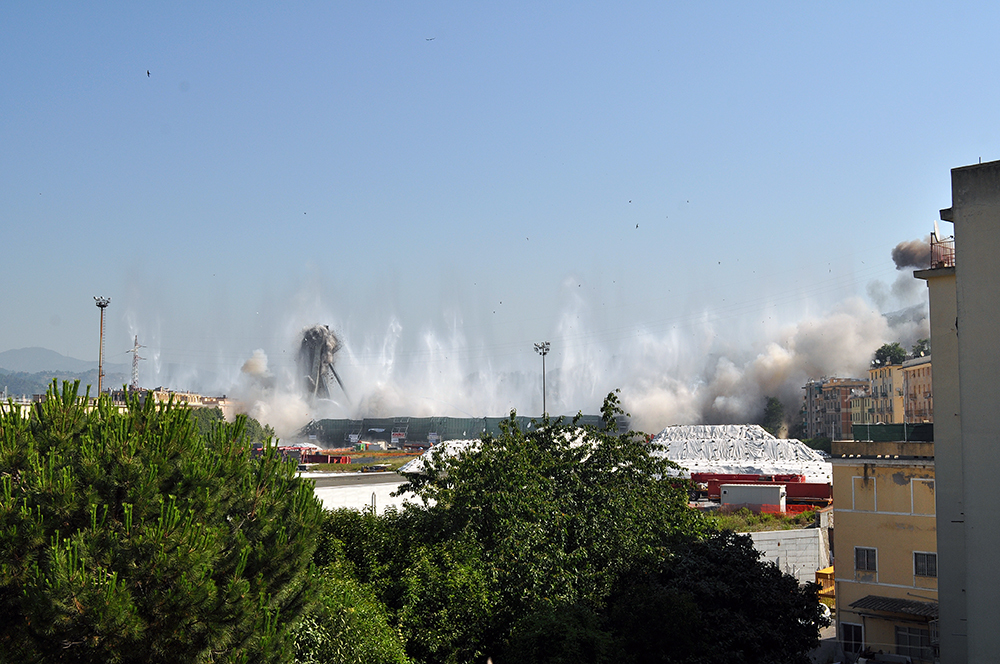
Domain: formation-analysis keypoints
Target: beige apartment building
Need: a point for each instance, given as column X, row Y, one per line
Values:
column 885, row 568
column 895, row 394
column 885, row 385
column 918, row 392
column 963, row 284
column 862, row 407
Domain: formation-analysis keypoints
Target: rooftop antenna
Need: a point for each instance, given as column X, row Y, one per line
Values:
column 102, row 304
column 135, row 363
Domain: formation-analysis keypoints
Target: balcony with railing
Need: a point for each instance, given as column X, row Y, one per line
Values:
column 942, row 252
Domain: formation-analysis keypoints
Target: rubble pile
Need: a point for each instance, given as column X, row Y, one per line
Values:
column 739, row 448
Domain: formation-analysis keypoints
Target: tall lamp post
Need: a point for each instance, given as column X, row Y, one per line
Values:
column 543, row 350
column 102, row 304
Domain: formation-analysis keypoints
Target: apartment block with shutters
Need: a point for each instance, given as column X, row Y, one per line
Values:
column 886, row 547
column 826, row 406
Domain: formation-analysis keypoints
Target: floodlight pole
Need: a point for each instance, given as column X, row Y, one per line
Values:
column 543, row 350
column 102, row 304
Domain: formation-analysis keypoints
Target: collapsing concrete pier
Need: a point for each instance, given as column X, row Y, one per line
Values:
column 317, row 353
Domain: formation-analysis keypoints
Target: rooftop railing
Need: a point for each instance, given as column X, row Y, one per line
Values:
column 942, row 252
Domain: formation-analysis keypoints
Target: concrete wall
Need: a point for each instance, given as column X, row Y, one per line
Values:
column 975, row 211
column 948, row 463
column 885, row 448
column 797, row 552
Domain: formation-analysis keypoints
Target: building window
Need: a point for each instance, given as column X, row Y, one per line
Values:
column 924, row 564
column 852, row 637
column 914, row 642
column 865, row 559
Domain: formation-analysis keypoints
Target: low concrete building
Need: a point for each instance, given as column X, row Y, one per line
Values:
column 800, row 553
column 754, row 496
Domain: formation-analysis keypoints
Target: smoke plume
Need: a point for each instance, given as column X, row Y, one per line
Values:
column 256, row 368
column 707, row 367
column 912, row 254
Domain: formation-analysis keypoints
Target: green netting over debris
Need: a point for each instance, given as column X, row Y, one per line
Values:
column 401, row 430
column 923, row 432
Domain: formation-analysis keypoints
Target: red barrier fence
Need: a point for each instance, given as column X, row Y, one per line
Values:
column 743, row 478
column 325, row 458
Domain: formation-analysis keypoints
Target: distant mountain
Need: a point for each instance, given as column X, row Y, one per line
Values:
column 22, row 384
column 35, row 360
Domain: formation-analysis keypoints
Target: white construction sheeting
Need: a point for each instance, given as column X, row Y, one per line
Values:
column 448, row 448
column 708, row 448
column 739, row 448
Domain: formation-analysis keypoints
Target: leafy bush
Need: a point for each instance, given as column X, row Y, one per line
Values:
column 347, row 625
column 744, row 520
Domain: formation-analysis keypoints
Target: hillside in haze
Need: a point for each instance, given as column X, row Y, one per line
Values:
column 34, row 360
column 21, row 383
column 28, row 371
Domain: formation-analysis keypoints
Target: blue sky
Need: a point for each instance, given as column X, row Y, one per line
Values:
column 661, row 190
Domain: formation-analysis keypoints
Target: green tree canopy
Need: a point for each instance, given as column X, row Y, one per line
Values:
column 921, row 348
column 206, row 420
column 525, row 541
column 774, row 416
column 889, row 354
column 713, row 602
column 347, row 625
column 127, row 537
column 559, row 509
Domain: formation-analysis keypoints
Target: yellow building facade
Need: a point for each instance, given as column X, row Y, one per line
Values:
column 918, row 390
column 862, row 407
column 886, row 548
column 885, row 386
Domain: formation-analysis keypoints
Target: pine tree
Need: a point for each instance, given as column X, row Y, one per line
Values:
column 128, row 537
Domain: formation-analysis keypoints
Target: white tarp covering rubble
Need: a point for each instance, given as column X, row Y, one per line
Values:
column 708, row 448
column 445, row 449
column 739, row 448
column 451, row 448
